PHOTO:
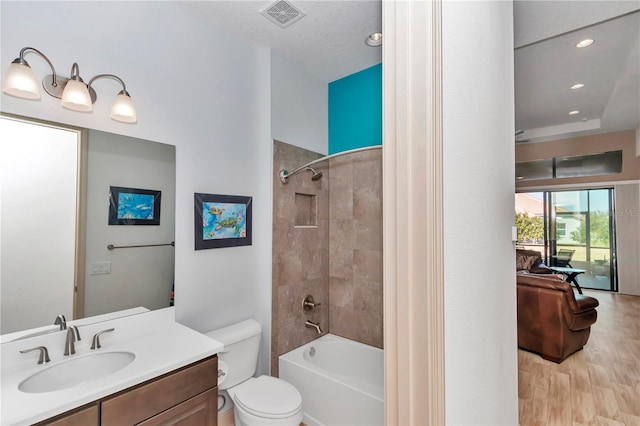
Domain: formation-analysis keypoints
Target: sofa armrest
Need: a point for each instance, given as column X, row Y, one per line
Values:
column 580, row 321
column 585, row 303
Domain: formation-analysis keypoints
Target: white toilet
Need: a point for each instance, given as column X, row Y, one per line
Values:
column 264, row 400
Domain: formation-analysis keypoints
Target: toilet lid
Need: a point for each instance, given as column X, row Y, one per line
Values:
column 268, row 396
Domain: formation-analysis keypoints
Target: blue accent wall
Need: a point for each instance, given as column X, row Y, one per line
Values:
column 355, row 110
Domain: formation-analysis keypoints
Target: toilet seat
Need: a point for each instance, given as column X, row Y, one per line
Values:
column 268, row 397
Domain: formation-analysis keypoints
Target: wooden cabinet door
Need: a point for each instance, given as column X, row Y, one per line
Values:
column 136, row 405
column 86, row 416
column 201, row 410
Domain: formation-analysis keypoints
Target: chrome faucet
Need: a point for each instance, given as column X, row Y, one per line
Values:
column 73, row 335
column 61, row 321
column 311, row 324
column 95, row 343
column 44, row 354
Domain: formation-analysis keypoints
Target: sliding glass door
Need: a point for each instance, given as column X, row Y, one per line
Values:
column 577, row 231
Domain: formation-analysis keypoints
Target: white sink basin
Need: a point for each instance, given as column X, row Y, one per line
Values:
column 76, row 371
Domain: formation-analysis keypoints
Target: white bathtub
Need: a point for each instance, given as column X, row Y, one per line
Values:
column 341, row 381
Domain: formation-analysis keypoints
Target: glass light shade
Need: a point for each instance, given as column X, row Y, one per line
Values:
column 76, row 96
column 20, row 81
column 123, row 109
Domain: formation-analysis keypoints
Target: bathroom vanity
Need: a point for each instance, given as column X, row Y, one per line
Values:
column 150, row 370
column 187, row 394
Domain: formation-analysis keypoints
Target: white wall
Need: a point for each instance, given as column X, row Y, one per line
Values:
column 299, row 106
column 480, row 289
column 38, row 223
column 194, row 87
column 628, row 237
column 139, row 276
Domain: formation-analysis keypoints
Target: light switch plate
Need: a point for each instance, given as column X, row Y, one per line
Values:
column 99, row 268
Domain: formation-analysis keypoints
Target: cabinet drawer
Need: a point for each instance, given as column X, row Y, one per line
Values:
column 201, row 410
column 86, row 416
column 140, row 403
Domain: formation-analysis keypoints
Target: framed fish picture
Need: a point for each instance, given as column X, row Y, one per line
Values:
column 131, row 206
column 222, row 221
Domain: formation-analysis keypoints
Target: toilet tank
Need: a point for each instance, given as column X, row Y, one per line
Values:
column 241, row 346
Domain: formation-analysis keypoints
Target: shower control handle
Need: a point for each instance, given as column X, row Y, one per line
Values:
column 308, row 304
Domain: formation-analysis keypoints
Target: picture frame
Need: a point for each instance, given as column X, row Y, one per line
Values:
column 222, row 221
column 133, row 206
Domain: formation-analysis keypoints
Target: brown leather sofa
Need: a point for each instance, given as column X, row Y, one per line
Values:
column 552, row 321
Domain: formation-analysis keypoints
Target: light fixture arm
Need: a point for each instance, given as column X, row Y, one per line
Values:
column 113, row 77
column 75, row 72
column 21, row 60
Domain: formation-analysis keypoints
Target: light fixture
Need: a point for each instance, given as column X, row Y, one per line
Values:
column 374, row 40
column 585, row 43
column 75, row 95
column 19, row 81
column 574, row 112
column 577, row 86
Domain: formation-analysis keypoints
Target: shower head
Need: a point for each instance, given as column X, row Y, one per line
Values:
column 316, row 175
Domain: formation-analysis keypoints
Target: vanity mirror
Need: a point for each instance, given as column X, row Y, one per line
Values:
column 54, row 224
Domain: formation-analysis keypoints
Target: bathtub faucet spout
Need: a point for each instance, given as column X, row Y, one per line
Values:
column 311, row 324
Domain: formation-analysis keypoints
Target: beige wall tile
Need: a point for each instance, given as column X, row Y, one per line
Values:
column 339, row 261
column 300, row 255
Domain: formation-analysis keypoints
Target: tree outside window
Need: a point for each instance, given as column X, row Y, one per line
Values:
column 530, row 228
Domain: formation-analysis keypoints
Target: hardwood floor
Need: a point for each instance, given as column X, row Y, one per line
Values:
column 599, row 385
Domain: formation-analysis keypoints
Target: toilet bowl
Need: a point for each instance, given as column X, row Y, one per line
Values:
column 264, row 400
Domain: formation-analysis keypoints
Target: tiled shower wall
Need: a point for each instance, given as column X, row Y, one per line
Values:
column 300, row 253
column 355, row 247
column 334, row 253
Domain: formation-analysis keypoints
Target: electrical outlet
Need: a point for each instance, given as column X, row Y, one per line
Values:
column 98, row 268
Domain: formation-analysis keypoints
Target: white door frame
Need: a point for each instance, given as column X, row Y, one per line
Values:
column 413, row 213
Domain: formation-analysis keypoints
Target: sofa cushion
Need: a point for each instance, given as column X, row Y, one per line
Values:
column 525, row 259
column 524, row 262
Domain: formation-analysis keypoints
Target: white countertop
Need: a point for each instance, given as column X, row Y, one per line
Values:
column 160, row 344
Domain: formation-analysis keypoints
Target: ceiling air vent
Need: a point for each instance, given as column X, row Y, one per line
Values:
column 283, row 13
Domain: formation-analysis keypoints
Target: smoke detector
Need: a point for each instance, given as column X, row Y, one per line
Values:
column 283, row 13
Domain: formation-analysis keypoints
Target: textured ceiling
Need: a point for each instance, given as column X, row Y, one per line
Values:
column 328, row 41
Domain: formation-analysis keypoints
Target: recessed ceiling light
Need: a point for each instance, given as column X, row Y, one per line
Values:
column 519, row 177
column 374, row 40
column 577, row 86
column 574, row 112
column 585, row 43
